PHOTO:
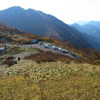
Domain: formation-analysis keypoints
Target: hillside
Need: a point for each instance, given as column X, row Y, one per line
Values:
column 95, row 23
column 91, row 28
column 59, row 80
column 10, row 34
column 5, row 27
column 41, row 75
column 91, row 33
column 39, row 23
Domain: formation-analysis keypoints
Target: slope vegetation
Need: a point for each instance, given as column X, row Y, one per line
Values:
column 50, row 80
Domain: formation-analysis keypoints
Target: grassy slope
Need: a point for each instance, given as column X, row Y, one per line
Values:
column 29, row 80
column 50, row 81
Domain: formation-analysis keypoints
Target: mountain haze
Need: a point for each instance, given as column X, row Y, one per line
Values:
column 81, row 22
column 91, row 32
column 95, row 23
column 39, row 23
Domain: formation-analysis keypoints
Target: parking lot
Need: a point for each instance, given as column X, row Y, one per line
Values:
column 42, row 47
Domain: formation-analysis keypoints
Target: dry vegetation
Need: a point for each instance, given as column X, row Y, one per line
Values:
column 29, row 80
column 49, row 56
column 11, row 52
column 49, row 76
column 17, row 37
column 87, row 55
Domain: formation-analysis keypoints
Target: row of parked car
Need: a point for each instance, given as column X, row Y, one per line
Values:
column 55, row 48
column 45, row 45
column 58, row 48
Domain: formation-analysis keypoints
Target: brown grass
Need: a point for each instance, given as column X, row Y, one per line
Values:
column 10, row 58
column 49, row 56
column 9, row 61
column 29, row 80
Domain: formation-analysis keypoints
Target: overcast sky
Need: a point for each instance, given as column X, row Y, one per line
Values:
column 68, row 11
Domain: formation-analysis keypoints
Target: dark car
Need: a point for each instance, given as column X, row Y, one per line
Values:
column 64, row 51
column 73, row 54
column 40, row 43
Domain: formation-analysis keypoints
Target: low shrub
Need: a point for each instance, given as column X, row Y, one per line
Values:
column 48, row 57
column 97, row 61
column 1, row 59
column 9, row 62
column 9, row 58
column 14, row 50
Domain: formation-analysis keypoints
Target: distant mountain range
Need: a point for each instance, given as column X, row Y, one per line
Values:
column 91, row 31
column 39, row 23
column 81, row 22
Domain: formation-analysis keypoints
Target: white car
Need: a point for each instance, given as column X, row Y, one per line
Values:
column 49, row 44
column 55, row 47
column 46, row 46
column 60, row 49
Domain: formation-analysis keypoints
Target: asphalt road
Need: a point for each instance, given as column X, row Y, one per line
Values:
column 46, row 49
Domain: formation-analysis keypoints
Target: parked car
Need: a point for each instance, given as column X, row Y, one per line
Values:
column 55, row 47
column 73, row 54
column 40, row 43
column 46, row 46
column 60, row 49
column 49, row 44
column 64, row 51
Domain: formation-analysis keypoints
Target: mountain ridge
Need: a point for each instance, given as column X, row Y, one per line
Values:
column 39, row 23
column 91, row 30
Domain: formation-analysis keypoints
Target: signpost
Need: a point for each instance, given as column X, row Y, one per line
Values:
column 33, row 41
